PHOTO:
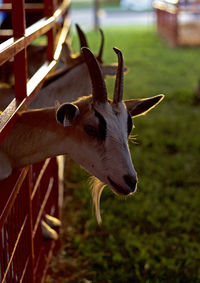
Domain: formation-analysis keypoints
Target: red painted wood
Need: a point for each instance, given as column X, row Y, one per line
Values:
column 8, row 118
column 11, row 47
column 18, row 18
column 24, row 256
column 49, row 9
column 167, row 17
column 10, row 188
column 20, row 75
column 30, row 7
column 20, row 68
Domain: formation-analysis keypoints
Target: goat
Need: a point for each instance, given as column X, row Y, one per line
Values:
column 93, row 130
column 74, row 77
column 65, row 78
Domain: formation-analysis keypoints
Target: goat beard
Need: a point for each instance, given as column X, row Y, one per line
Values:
column 96, row 187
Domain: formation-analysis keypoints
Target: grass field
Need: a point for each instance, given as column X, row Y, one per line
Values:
column 153, row 236
column 107, row 4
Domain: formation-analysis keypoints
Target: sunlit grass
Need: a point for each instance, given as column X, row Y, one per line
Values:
column 154, row 235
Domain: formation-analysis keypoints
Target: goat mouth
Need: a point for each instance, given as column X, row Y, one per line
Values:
column 117, row 189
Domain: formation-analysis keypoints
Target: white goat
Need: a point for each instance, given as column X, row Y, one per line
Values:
column 92, row 130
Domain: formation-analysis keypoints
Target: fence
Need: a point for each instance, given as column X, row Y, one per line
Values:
column 178, row 21
column 28, row 194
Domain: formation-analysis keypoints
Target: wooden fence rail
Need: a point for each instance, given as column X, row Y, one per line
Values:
column 30, row 193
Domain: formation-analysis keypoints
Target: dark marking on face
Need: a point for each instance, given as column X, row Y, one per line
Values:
column 102, row 126
column 129, row 124
column 97, row 132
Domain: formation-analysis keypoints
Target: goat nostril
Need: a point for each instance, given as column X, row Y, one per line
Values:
column 131, row 181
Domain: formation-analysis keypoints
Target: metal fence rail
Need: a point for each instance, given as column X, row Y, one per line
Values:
column 28, row 194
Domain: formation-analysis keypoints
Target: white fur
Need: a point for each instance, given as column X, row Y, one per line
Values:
column 96, row 189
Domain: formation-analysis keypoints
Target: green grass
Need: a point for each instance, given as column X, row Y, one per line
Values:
column 80, row 4
column 153, row 236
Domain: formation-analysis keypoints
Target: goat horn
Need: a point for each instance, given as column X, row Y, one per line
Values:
column 82, row 38
column 99, row 91
column 99, row 57
column 118, row 92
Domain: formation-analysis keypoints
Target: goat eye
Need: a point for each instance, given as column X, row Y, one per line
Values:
column 91, row 131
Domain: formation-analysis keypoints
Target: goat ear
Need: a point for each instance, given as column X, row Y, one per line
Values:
column 138, row 107
column 66, row 114
column 111, row 70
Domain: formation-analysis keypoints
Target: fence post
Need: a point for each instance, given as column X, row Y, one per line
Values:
column 49, row 8
column 19, row 25
column 30, row 216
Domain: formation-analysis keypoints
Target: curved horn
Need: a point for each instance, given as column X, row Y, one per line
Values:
column 99, row 57
column 82, row 38
column 99, row 91
column 118, row 92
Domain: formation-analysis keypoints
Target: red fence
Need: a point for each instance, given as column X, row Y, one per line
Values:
column 28, row 194
column 172, row 28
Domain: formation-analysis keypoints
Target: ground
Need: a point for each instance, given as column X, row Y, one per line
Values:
column 154, row 235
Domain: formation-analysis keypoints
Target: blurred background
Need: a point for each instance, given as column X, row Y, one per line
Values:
column 115, row 12
column 154, row 235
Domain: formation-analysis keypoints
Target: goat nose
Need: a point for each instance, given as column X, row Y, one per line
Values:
column 131, row 181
